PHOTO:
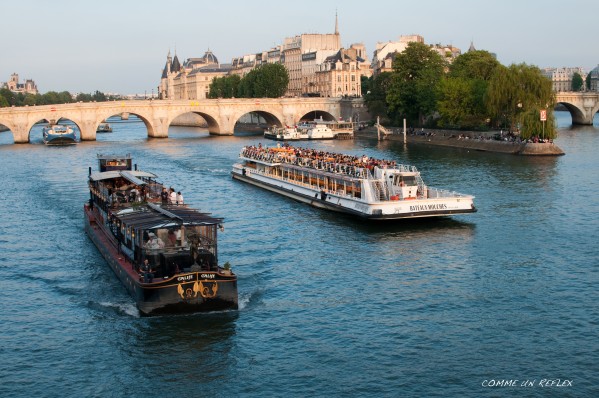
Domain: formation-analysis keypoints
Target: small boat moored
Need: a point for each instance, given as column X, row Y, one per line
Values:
column 368, row 188
column 104, row 128
column 164, row 252
column 58, row 134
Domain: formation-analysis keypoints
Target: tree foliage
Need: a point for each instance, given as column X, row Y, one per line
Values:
column 461, row 94
column 224, row 87
column 49, row 98
column 416, row 73
column 577, row 82
column 264, row 81
column 518, row 92
column 375, row 97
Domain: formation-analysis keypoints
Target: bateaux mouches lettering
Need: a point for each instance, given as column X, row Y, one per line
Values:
column 435, row 206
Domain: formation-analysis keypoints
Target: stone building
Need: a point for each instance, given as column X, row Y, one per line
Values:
column 594, row 79
column 294, row 56
column 340, row 74
column 384, row 54
column 562, row 77
column 29, row 87
column 190, row 80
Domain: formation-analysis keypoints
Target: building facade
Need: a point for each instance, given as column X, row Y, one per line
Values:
column 29, row 87
column 561, row 78
column 340, row 75
column 190, row 80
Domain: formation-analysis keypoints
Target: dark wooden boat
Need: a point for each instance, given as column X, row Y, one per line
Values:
column 164, row 254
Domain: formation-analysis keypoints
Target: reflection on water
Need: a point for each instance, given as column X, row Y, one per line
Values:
column 416, row 308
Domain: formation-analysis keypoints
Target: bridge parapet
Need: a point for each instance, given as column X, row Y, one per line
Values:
column 220, row 114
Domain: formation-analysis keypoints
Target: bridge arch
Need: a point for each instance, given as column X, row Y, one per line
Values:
column 101, row 116
column 578, row 115
column 582, row 105
column 271, row 117
column 317, row 114
column 212, row 120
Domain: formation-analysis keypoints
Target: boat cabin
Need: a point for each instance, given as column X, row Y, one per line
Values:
column 111, row 162
column 173, row 238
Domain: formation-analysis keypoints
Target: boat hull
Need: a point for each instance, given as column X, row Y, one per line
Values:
column 389, row 210
column 59, row 140
column 187, row 292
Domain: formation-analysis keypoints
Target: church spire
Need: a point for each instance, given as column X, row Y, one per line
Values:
column 336, row 24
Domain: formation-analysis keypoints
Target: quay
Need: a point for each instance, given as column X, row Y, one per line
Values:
column 477, row 141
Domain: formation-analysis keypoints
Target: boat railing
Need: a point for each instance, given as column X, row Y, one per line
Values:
column 357, row 170
column 433, row 193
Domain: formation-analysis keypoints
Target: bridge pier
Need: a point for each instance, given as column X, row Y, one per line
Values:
column 582, row 106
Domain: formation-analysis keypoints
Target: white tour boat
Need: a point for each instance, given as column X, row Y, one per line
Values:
column 368, row 188
column 286, row 133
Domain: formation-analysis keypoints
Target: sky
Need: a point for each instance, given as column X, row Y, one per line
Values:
column 120, row 46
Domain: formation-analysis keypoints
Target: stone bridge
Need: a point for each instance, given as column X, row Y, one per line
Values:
column 220, row 114
column 582, row 105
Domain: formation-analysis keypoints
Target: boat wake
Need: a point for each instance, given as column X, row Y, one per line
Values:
column 119, row 308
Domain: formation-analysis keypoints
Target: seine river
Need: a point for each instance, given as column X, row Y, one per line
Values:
column 473, row 305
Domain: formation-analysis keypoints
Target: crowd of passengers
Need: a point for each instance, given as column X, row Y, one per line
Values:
column 314, row 158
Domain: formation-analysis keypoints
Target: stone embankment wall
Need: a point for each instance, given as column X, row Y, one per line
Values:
column 470, row 140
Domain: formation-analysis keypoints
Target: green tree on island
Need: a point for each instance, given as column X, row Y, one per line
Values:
column 515, row 97
column 577, row 82
column 413, row 90
column 375, row 95
column 462, row 92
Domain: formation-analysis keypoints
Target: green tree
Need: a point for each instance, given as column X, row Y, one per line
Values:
column 83, row 97
column 9, row 96
column 29, row 100
column 577, row 82
column 271, row 81
column 375, row 95
column 416, row 73
column 224, row 87
column 518, row 92
column 99, row 96
column 588, row 81
column 3, row 102
column 478, row 65
column 461, row 95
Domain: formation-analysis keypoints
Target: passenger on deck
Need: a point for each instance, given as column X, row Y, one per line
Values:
column 179, row 198
column 154, row 242
column 164, row 196
column 172, row 197
column 172, row 239
column 147, row 271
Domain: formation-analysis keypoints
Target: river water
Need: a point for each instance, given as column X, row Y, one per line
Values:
column 329, row 305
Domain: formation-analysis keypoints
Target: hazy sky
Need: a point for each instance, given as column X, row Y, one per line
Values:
column 121, row 45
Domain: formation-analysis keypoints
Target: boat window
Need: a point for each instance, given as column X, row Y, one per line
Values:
column 407, row 180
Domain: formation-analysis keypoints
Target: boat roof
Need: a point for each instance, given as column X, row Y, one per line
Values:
column 130, row 175
column 110, row 157
column 152, row 216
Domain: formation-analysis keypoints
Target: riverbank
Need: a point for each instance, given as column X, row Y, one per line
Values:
column 469, row 140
